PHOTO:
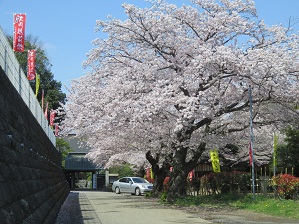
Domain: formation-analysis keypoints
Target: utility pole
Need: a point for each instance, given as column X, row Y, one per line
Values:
column 275, row 140
column 251, row 144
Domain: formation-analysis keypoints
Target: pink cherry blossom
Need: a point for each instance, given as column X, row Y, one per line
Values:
column 174, row 81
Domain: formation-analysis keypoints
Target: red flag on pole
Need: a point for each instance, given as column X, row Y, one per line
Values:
column 56, row 130
column 19, row 32
column 43, row 100
column 250, row 154
column 52, row 117
column 148, row 173
column 46, row 111
column 191, row 175
column 31, row 65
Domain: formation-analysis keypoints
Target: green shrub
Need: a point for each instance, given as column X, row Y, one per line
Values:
column 226, row 182
column 124, row 170
column 163, row 197
column 286, row 185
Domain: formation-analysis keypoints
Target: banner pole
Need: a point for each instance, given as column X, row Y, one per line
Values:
column 251, row 140
column 274, row 153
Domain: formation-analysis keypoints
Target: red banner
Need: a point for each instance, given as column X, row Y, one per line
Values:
column 52, row 117
column 46, row 111
column 31, row 65
column 191, row 175
column 19, row 32
column 56, row 130
column 148, row 173
column 250, row 154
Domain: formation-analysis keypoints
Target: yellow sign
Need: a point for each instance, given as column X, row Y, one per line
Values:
column 37, row 83
column 215, row 160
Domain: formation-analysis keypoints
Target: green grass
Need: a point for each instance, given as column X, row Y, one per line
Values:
column 261, row 204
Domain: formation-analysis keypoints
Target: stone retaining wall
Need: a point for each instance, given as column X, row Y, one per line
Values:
column 32, row 183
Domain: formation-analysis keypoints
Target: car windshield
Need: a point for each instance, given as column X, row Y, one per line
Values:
column 139, row 180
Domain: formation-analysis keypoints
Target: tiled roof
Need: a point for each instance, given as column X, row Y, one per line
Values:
column 77, row 162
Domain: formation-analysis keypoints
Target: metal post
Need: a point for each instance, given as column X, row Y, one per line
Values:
column 275, row 140
column 29, row 98
column 274, row 156
column 20, row 80
column 5, row 61
column 251, row 142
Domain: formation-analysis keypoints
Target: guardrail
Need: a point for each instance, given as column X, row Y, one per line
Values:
column 17, row 77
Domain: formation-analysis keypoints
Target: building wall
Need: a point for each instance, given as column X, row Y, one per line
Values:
column 32, row 183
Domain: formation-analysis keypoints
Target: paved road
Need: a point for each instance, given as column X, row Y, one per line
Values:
column 110, row 208
column 97, row 207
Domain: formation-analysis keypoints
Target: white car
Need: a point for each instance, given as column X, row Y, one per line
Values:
column 133, row 185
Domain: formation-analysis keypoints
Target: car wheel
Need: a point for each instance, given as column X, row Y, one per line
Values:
column 117, row 190
column 137, row 191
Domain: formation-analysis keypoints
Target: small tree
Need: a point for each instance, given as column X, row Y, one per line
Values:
column 288, row 153
column 64, row 149
column 52, row 88
column 124, row 170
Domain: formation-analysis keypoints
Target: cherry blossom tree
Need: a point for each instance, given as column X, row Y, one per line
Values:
column 171, row 82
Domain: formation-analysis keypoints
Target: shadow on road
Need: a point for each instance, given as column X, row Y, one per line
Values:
column 70, row 212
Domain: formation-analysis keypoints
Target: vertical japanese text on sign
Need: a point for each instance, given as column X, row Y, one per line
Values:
column 31, row 65
column 19, row 32
column 215, row 161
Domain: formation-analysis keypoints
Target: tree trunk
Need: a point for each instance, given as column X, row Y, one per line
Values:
column 181, row 169
column 160, row 173
column 160, row 176
column 177, row 185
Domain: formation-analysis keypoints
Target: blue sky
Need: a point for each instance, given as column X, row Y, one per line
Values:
column 66, row 27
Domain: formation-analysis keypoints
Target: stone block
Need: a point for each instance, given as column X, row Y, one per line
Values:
column 7, row 194
column 10, row 156
column 7, row 216
column 18, row 213
column 6, row 171
column 29, row 183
